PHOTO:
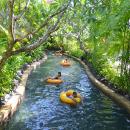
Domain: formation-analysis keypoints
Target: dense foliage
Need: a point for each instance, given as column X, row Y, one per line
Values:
column 24, row 27
column 101, row 29
column 96, row 29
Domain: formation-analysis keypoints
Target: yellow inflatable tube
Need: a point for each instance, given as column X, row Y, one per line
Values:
column 65, row 63
column 64, row 97
column 54, row 81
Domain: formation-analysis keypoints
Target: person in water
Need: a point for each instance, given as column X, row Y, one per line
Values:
column 75, row 95
column 58, row 76
column 66, row 60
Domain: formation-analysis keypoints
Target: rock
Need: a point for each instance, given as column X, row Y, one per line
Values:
column 19, row 73
column 1, row 102
column 15, row 82
column 7, row 96
column 22, row 71
column 127, row 96
column 25, row 66
column 17, row 78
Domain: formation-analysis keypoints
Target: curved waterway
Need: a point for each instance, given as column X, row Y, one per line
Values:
column 43, row 110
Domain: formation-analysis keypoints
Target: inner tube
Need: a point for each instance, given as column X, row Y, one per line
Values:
column 64, row 97
column 65, row 63
column 54, row 81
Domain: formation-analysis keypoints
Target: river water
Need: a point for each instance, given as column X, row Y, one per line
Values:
column 43, row 110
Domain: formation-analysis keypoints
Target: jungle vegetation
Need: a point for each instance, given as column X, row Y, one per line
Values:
column 98, row 30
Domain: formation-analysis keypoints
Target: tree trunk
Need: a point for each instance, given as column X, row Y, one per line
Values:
column 5, row 57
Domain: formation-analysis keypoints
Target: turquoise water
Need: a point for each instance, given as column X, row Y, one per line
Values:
column 43, row 110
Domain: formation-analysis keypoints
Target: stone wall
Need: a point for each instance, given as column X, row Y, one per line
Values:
column 11, row 105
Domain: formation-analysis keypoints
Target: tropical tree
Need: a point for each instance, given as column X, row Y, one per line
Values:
column 22, row 20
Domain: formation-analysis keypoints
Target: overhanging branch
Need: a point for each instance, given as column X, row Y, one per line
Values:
column 45, row 23
column 24, row 10
column 40, row 40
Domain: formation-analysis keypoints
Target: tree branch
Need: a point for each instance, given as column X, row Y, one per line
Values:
column 12, row 42
column 22, row 13
column 40, row 40
column 11, row 19
column 82, row 47
column 45, row 23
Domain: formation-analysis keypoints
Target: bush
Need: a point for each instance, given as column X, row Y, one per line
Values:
column 13, row 65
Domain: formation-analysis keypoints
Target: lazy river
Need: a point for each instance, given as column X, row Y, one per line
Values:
column 43, row 110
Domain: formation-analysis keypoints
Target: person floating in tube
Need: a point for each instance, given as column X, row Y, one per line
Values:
column 58, row 76
column 66, row 61
column 74, row 96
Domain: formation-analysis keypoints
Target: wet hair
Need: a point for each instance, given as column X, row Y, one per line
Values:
column 75, row 94
column 59, row 73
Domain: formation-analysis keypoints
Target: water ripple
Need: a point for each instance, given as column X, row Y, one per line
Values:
column 43, row 110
